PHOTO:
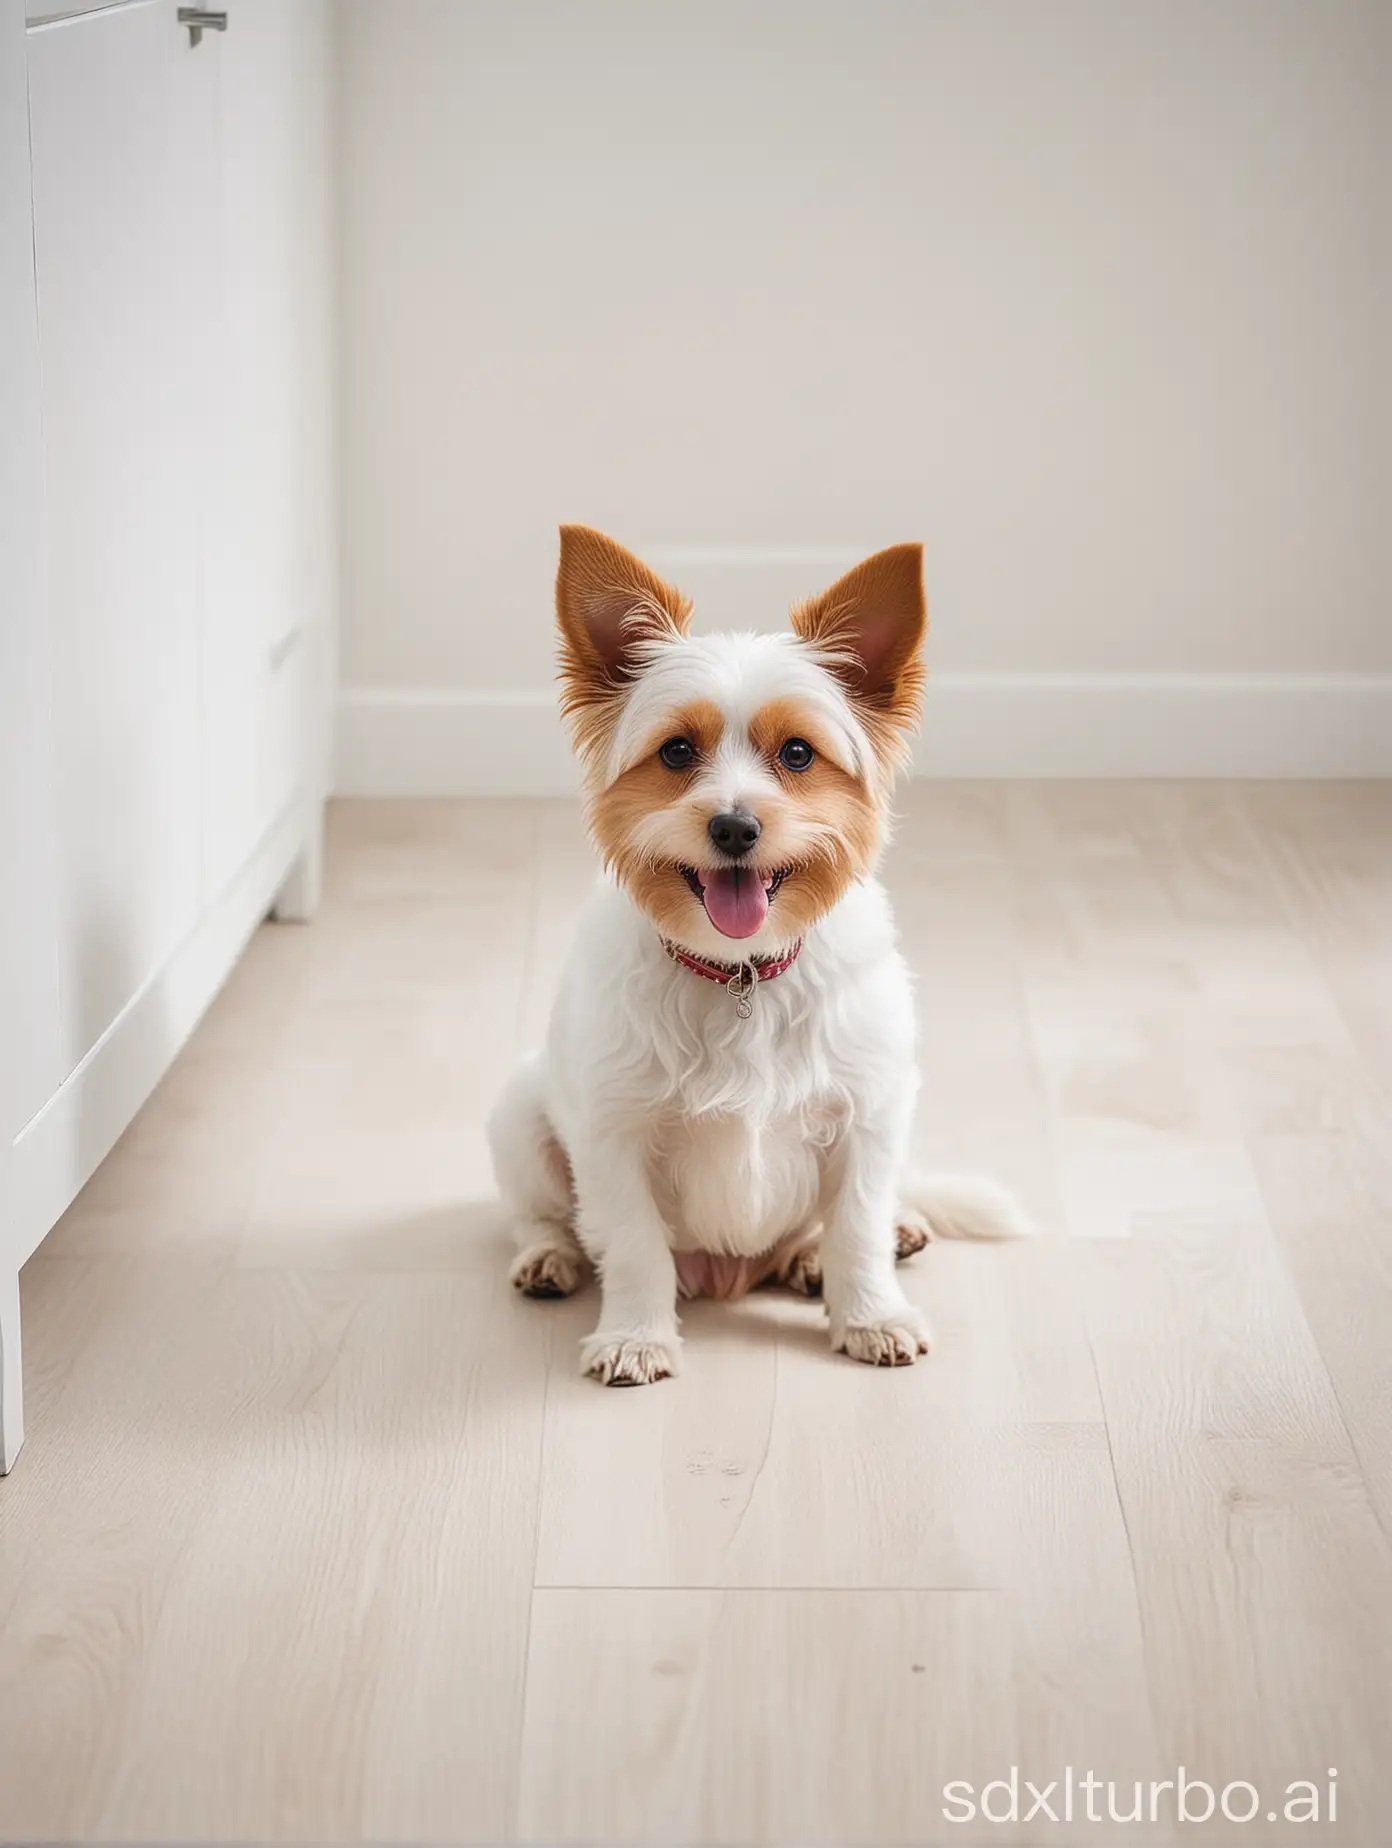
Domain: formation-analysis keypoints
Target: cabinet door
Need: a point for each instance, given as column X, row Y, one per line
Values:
column 114, row 97
column 28, row 971
column 267, row 552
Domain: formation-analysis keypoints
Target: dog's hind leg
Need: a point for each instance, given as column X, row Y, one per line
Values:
column 799, row 1259
column 533, row 1178
column 798, row 1263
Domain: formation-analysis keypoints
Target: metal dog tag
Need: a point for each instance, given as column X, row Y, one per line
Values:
column 742, row 988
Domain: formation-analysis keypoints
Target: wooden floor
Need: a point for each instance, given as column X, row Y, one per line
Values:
column 319, row 1535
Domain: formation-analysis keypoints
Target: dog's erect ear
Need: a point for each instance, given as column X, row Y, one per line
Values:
column 608, row 602
column 870, row 625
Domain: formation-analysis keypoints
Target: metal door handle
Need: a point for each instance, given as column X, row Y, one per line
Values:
column 198, row 22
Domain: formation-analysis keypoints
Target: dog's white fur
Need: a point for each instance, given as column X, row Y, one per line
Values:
column 657, row 1122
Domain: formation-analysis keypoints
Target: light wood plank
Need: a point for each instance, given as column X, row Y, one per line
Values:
column 853, row 1709
column 1329, row 1199
column 1265, row 1581
column 291, row 1584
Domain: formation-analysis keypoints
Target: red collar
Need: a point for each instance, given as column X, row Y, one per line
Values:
column 765, row 968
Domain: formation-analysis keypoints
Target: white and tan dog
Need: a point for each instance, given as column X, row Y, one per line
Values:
column 728, row 1084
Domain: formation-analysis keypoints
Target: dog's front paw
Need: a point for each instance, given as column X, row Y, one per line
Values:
column 895, row 1342
column 629, row 1360
column 548, row 1270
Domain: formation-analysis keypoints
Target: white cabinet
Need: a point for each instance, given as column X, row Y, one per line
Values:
column 28, row 956
column 116, row 244
column 166, row 503
column 270, row 358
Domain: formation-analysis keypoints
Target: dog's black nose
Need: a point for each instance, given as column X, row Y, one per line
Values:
column 735, row 832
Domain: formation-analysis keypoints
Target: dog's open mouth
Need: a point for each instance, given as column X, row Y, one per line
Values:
column 736, row 898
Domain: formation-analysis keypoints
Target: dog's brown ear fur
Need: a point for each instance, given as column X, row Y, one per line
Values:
column 869, row 627
column 608, row 604
column 606, row 600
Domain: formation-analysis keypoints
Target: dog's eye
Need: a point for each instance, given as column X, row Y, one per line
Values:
column 797, row 754
column 678, row 753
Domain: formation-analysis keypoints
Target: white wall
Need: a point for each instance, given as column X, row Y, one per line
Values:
column 1079, row 293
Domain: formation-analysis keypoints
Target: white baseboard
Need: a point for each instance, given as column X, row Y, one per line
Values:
column 404, row 742
column 401, row 742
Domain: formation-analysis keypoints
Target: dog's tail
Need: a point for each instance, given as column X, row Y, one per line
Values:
column 965, row 1206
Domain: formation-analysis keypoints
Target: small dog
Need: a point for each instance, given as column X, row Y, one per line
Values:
column 728, row 1084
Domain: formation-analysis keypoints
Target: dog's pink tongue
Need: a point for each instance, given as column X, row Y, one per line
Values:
column 736, row 901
